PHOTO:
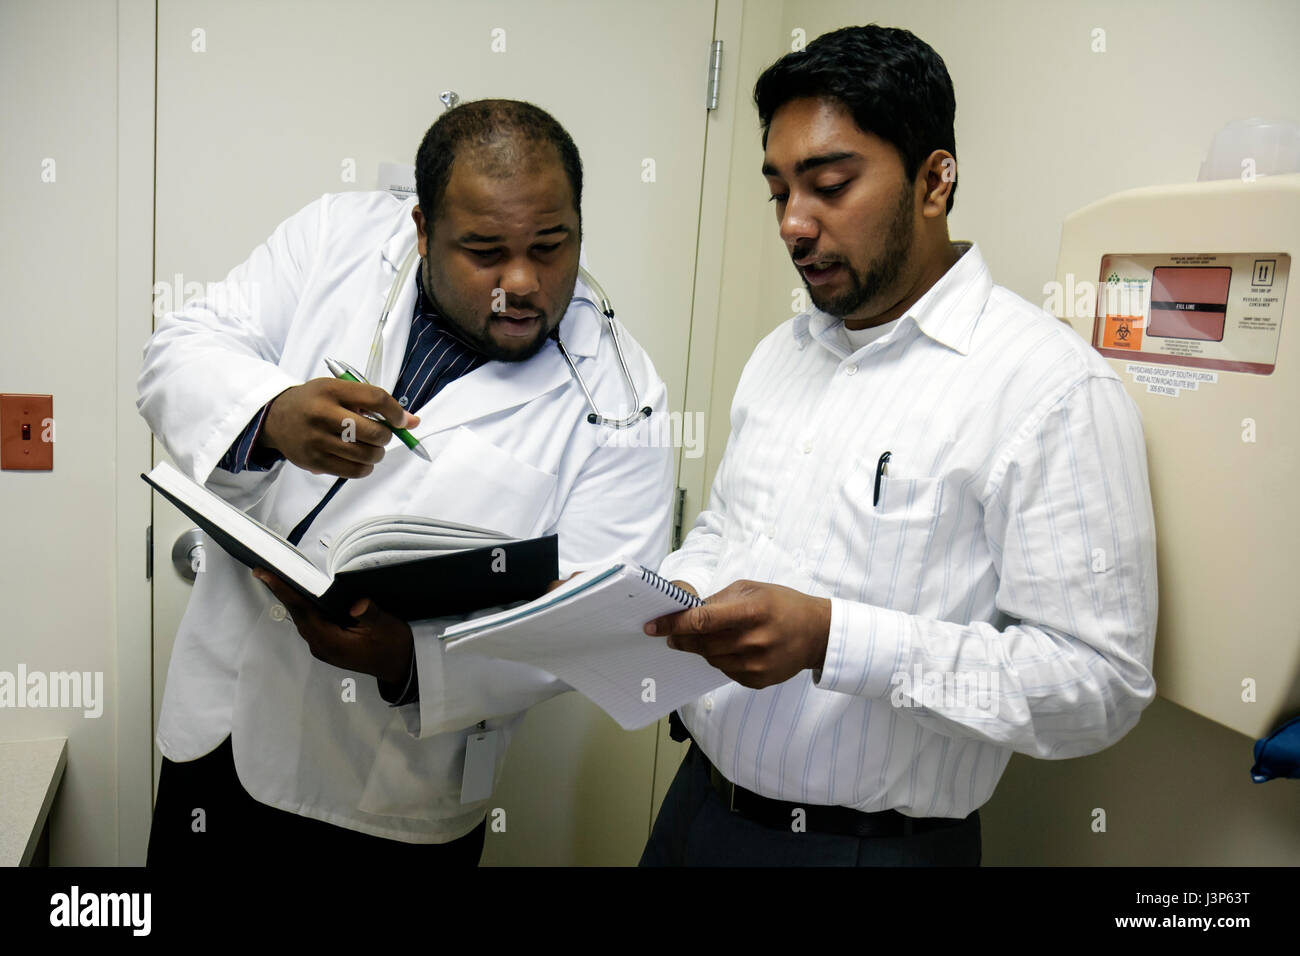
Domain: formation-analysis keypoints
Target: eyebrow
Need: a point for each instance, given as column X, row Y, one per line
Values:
column 477, row 237
column 812, row 162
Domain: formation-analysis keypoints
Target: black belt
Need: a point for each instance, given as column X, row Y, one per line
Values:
column 781, row 815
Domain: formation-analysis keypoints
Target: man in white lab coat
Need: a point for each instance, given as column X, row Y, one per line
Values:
column 277, row 725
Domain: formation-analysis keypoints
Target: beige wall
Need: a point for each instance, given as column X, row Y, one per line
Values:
column 1044, row 126
column 79, row 82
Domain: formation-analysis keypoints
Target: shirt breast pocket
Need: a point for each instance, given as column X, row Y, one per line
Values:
column 474, row 482
column 893, row 538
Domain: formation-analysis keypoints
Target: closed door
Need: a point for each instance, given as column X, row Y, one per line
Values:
column 264, row 106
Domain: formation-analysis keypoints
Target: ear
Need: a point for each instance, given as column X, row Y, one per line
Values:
column 423, row 240
column 939, row 173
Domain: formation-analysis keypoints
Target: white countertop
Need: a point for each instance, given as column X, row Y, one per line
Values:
column 30, row 771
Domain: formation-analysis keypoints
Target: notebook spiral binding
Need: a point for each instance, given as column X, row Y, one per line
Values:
column 679, row 595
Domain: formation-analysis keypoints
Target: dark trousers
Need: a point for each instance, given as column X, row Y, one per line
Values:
column 695, row 828
column 239, row 829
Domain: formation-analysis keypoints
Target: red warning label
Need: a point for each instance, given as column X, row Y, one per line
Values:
column 1122, row 332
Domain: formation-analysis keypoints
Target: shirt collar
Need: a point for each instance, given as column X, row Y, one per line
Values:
column 947, row 312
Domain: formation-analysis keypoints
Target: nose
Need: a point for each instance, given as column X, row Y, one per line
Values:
column 797, row 222
column 519, row 278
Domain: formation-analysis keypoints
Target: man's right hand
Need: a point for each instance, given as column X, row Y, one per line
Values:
column 319, row 426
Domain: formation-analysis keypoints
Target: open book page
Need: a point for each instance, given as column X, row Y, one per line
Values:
column 377, row 535
column 379, row 548
column 589, row 635
column 416, row 523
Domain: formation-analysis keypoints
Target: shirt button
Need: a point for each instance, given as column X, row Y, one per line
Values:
column 708, row 704
column 770, row 531
column 402, row 401
column 851, row 370
column 277, row 612
column 807, row 448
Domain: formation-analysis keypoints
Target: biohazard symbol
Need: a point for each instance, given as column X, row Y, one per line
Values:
column 1120, row 333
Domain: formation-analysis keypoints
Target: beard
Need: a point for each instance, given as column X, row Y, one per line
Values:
column 475, row 332
column 881, row 274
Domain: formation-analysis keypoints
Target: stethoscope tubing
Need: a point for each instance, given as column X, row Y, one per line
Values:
column 604, row 307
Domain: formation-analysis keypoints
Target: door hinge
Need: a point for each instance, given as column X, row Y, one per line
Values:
column 715, row 75
column 679, row 513
column 148, row 553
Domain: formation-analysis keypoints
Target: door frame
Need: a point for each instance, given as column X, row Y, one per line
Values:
column 136, row 76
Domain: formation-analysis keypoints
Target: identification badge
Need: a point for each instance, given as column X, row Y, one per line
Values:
column 480, row 765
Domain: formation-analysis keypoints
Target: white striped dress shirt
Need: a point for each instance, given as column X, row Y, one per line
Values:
column 1000, row 597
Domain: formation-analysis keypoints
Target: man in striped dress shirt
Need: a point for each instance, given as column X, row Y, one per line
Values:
column 930, row 542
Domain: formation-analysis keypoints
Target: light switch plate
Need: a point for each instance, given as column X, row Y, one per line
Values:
column 27, row 432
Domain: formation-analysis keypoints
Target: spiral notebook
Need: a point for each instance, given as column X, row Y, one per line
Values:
column 587, row 632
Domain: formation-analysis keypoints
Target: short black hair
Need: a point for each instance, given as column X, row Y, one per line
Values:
column 500, row 136
column 891, row 81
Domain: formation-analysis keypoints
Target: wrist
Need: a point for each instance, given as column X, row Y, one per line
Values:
column 821, row 633
column 263, row 439
column 403, row 660
column 265, row 436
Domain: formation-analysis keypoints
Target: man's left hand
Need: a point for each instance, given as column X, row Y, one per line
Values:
column 378, row 643
column 756, row 634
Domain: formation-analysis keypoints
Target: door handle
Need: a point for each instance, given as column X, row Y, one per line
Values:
column 187, row 554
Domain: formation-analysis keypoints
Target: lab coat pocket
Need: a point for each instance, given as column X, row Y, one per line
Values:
column 417, row 780
column 893, row 536
column 472, row 481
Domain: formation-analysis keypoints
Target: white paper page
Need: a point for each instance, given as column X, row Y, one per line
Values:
column 379, row 549
column 594, row 643
column 413, row 524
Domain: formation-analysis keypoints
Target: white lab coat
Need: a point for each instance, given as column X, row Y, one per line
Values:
column 512, row 451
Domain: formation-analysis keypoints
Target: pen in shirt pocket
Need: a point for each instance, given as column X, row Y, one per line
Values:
column 346, row 372
column 880, row 473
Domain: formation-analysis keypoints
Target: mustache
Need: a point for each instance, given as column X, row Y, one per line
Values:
column 517, row 307
column 804, row 252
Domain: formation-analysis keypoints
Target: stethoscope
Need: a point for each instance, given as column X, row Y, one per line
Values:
column 375, row 361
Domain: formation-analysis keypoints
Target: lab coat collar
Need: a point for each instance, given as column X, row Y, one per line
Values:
column 404, row 237
column 947, row 312
column 495, row 386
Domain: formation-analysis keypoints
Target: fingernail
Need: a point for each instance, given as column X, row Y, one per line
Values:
column 650, row 628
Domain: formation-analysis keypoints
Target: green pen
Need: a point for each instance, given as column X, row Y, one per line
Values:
column 346, row 372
